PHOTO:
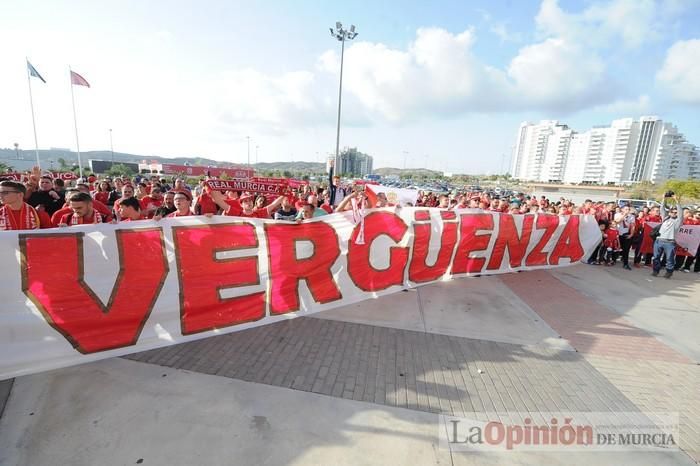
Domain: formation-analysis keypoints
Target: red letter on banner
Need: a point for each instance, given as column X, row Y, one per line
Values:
column 202, row 276
column 508, row 238
column 52, row 277
column 286, row 269
column 550, row 224
column 360, row 269
column 569, row 244
column 470, row 241
column 418, row 270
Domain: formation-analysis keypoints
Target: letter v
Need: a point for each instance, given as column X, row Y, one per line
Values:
column 52, row 278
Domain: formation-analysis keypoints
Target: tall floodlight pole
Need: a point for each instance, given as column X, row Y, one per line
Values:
column 248, row 138
column 111, row 145
column 342, row 35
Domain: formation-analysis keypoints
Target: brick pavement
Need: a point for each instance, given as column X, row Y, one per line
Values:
column 588, row 326
column 414, row 370
column 655, row 377
column 656, row 386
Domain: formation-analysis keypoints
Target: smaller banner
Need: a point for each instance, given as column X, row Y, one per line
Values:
column 253, row 186
column 234, row 172
column 296, row 184
column 688, row 239
column 67, row 176
column 395, row 196
column 13, row 176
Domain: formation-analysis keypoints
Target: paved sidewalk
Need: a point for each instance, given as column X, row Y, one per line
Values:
column 363, row 384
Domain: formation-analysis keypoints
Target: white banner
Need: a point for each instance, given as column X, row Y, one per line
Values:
column 399, row 196
column 688, row 237
column 88, row 292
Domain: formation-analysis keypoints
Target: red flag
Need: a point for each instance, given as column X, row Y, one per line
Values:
column 78, row 80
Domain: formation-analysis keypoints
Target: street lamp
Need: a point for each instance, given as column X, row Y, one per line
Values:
column 111, row 146
column 342, row 35
column 248, row 138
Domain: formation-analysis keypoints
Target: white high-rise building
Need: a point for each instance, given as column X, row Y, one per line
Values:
column 541, row 150
column 628, row 150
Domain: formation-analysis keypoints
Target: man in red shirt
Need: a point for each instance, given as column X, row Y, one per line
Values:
column 182, row 205
column 205, row 204
column 130, row 210
column 150, row 203
column 15, row 214
column 82, row 213
column 97, row 205
column 245, row 207
column 127, row 192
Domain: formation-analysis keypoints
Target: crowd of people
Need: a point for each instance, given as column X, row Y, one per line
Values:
column 45, row 202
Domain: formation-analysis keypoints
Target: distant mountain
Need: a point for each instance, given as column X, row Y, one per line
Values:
column 26, row 159
column 389, row 171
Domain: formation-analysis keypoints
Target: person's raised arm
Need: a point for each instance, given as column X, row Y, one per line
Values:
column 344, row 203
column 662, row 209
column 679, row 215
column 220, row 200
column 275, row 205
column 331, row 165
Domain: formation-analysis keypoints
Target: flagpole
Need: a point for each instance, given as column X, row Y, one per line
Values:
column 31, row 104
column 75, row 122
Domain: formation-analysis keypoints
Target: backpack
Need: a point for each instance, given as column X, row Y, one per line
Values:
column 655, row 232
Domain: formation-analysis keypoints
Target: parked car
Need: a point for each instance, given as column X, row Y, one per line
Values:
column 638, row 203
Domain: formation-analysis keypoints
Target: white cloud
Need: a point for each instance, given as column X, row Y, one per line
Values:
column 680, row 73
column 633, row 22
column 502, row 31
column 439, row 75
column 499, row 28
column 558, row 74
column 639, row 106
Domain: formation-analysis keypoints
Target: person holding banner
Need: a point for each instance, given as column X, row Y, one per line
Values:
column 286, row 211
column 82, row 213
column 684, row 257
column 130, row 210
column 46, row 196
column 15, row 214
column 246, row 202
column 337, row 192
column 151, row 202
column 182, row 205
column 647, row 245
column 665, row 243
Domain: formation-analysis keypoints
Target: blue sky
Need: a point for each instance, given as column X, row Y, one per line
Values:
column 441, row 84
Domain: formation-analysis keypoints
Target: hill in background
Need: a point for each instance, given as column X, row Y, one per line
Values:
column 50, row 159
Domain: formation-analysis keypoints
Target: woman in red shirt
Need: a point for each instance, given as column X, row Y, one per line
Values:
column 102, row 193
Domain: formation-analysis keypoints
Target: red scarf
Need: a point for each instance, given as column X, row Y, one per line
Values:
column 28, row 218
column 75, row 220
column 358, row 216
